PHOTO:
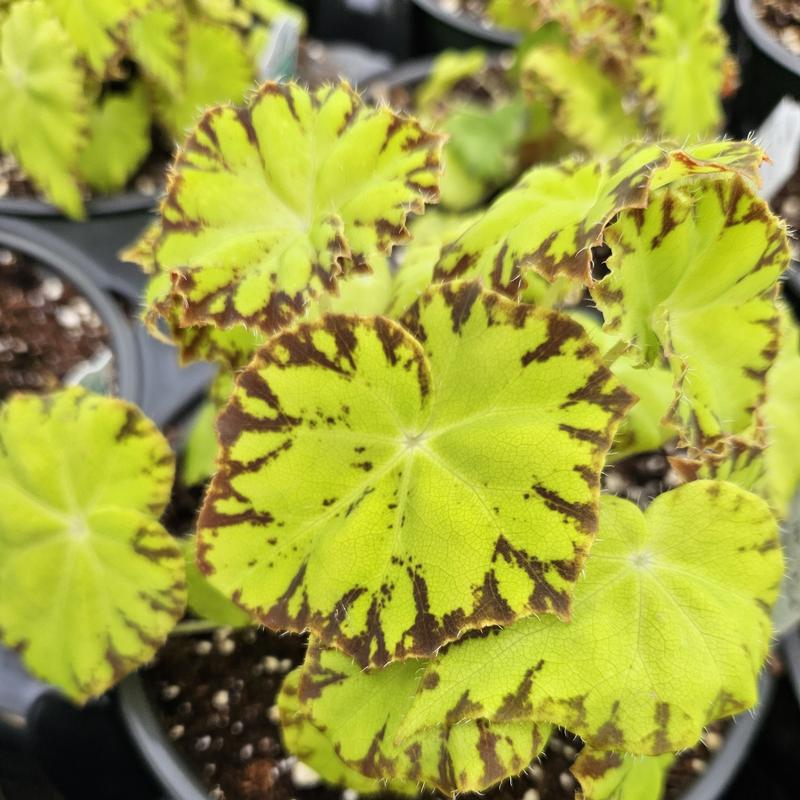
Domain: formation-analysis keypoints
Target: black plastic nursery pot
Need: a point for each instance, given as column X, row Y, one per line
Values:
column 179, row 781
column 146, row 371
column 437, row 27
column 769, row 70
column 111, row 223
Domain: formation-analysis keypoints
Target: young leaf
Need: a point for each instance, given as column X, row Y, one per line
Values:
column 693, row 277
column 42, row 97
column 216, row 69
column 419, row 257
column 643, row 428
column 616, row 776
column 290, row 225
column 119, row 139
column 92, row 583
column 203, row 599
column 590, row 101
column 95, row 27
column 313, row 747
column 696, row 573
column 361, row 713
column 682, row 67
column 555, row 214
column 352, row 436
column 157, row 40
column 448, row 70
column 201, row 447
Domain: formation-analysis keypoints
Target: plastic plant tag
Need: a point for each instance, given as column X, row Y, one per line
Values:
column 780, row 138
column 279, row 58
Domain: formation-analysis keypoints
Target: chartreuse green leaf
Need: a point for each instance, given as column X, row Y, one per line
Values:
column 682, row 66
column 448, row 70
column 616, row 776
column 590, row 102
column 203, row 599
column 119, row 139
column 91, row 582
column 693, row 276
column 157, row 39
column 313, row 747
column 696, row 573
column 782, row 456
column 42, row 97
column 362, row 293
column 482, row 150
column 419, row 257
column 216, row 69
column 96, row 27
column 555, row 214
column 361, row 713
column 289, row 225
column 644, row 427
column 517, row 15
column 456, row 462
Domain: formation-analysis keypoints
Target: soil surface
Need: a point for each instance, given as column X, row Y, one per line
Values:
column 48, row 331
column 216, row 694
column 782, row 17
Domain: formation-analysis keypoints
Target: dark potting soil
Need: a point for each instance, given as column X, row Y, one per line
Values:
column 148, row 181
column 216, row 694
column 47, row 329
column 782, row 18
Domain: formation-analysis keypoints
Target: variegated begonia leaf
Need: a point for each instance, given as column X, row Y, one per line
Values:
column 693, row 276
column 419, row 257
column 313, row 747
column 449, row 69
column 555, row 214
column 361, row 713
column 362, row 293
column 515, row 15
column 683, row 67
column 482, row 152
column 96, row 27
column 216, row 69
column 42, row 96
column 455, row 461
column 203, row 599
column 157, row 40
column 91, row 582
column 696, row 573
column 644, row 427
column 259, row 218
column 781, row 413
column 590, row 102
column 616, row 776
column 119, row 139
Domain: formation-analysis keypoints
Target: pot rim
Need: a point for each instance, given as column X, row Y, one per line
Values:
column 469, row 25
column 101, row 206
column 763, row 39
column 179, row 781
column 76, row 268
